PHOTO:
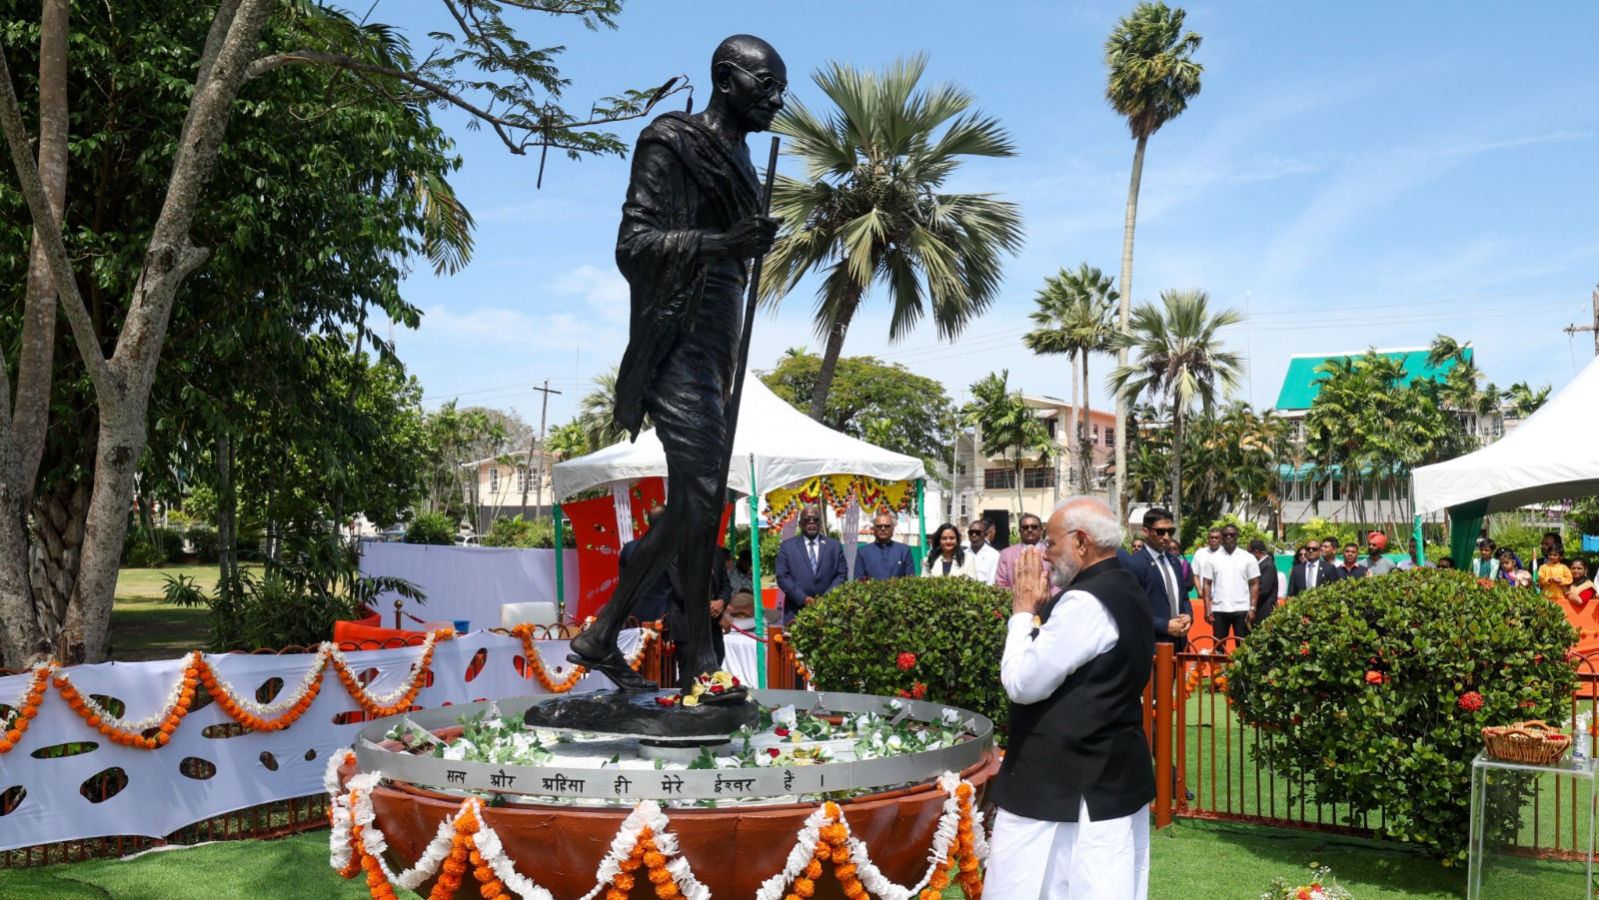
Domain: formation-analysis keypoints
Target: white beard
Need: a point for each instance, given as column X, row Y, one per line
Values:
column 1063, row 573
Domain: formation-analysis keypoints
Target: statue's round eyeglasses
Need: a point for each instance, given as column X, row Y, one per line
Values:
column 766, row 83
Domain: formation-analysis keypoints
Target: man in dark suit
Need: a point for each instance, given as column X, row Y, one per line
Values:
column 1312, row 572
column 884, row 557
column 809, row 564
column 1159, row 571
column 1266, row 592
column 657, row 602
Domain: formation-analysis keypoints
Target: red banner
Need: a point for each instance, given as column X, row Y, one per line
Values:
column 643, row 494
column 597, row 544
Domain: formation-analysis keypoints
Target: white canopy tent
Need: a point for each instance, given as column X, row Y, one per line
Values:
column 1553, row 455
column 775, row 445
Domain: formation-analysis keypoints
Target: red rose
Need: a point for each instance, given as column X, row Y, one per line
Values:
column 907, row 661
column 904, row 693
column 773, row 751
column 1304, row 649
column 1375, row 677
column 717, row 689
column 918, row 690
column 780, row 731
column 667, row 700
column 1470, row 701
column 1527, row 704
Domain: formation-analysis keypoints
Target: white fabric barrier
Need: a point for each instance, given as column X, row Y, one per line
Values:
column 467, row 582
column 159, row 799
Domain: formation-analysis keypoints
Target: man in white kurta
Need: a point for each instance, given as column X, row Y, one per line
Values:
column 1073, row 791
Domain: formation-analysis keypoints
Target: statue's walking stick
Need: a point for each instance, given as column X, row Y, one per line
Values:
column 748, row 327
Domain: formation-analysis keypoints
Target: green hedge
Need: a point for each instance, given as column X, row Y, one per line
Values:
column 431, row 528
column 1380, row 689
column 888, row 637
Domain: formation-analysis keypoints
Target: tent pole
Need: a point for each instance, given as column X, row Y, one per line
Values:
column 1421, row 543
column 921, row 518
column 560, row 574
column 755, row 575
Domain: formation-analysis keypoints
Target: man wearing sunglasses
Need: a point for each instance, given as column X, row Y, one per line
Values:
column 1030, row 528
column 1159, row 571
column 691, row 224
column 884, row 557
column 980, row 537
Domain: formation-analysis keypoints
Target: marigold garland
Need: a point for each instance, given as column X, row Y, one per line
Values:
column 156, row 730
column 535, row 662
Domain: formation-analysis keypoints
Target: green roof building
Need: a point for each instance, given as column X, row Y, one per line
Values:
column 1302, row 383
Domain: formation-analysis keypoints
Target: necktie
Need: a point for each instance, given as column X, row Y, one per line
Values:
column 1311, row 570
column 812, row 545
column 1171, row 582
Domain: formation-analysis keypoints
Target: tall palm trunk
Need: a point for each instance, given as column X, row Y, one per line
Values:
column 1084, row 449
column 1119, row 485
column 835, row 347
column 1176, row 468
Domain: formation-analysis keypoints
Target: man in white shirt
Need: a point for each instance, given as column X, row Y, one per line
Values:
column 1231, row 582
column 1073, row 788
column 980, row 535
column 1200, row 566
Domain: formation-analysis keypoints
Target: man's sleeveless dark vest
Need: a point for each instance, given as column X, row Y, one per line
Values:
column 1086, row 740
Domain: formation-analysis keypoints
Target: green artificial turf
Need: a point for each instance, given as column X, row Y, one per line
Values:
column 1188, row 861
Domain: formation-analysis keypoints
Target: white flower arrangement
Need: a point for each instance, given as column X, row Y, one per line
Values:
column 174, row 697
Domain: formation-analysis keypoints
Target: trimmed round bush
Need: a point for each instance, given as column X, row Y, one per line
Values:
column 935, row 639
column 1380, row 687
column 206, row 544
column 431, row 528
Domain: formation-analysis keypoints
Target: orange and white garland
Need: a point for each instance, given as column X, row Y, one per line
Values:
column 546, row 679
column 642, row 847
column 155, row 730
column 26, row 707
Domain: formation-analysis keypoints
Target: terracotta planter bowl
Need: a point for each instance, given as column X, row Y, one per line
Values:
column 731, row 850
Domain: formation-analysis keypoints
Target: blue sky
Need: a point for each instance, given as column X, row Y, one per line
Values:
column 1352, row 174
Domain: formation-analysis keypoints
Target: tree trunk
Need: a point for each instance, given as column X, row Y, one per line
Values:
column 1085, row 449
column 835, row 346
column 1019, row 463
column 1176, row 467
column 25, row 638
column 1118, row 487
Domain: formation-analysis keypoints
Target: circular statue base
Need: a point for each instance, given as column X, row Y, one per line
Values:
column 665, row 834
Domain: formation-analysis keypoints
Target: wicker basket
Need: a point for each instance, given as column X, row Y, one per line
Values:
column 1532, row 741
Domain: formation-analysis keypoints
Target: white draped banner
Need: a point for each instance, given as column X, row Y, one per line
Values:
column 468, row 583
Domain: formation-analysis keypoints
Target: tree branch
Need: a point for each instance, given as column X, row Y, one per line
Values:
column 48, row 230
column 502, row 125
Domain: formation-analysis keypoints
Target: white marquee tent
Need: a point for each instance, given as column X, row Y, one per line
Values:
column 775, row 443
column 1554, row 454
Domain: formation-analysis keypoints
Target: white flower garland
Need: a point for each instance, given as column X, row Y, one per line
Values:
column 174, row 696
column 40, row 672
column 645, row 637
column 387, row 699
column 285, row 700
column 352, row 805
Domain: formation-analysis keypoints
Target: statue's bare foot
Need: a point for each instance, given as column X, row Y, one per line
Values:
column 614, row 667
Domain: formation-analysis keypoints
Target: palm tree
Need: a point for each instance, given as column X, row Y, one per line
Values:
column 1180, row 360
column 1073, row 317
column 596, row 413
column 1005, row 424
column 1152, row 76
column 1523, row 400
column 871, row 209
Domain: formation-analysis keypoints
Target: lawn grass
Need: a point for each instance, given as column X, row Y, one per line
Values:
column 1188, row 861
column 145, row 626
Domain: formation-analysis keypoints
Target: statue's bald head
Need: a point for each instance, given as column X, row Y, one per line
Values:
column 742, row 50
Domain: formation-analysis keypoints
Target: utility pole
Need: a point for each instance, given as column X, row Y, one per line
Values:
column 537, row 444
column 1574, row 328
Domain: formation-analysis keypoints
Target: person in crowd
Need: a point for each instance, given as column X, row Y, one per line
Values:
column 980, row 536
column 809, row 564
column 1413, row 559
column 1486, row 565
column 1351, row 567
column 1201, row 564
column 657, row 601
column 1447, row 562
column 1510, row 568
column 884, row 557
column 1076, row 780
column 742, row 578
column 1030, row 530
column 1582, row 589
column 1136, row 547
column 1312, row 572
column 1329, row 554
column 1551, row 540
column 1376, row 562
column 1160, row 573
column 1554, row 576
column 1300, row 553
column 1266, row 592
column 1232, row 580
column 948, row 558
